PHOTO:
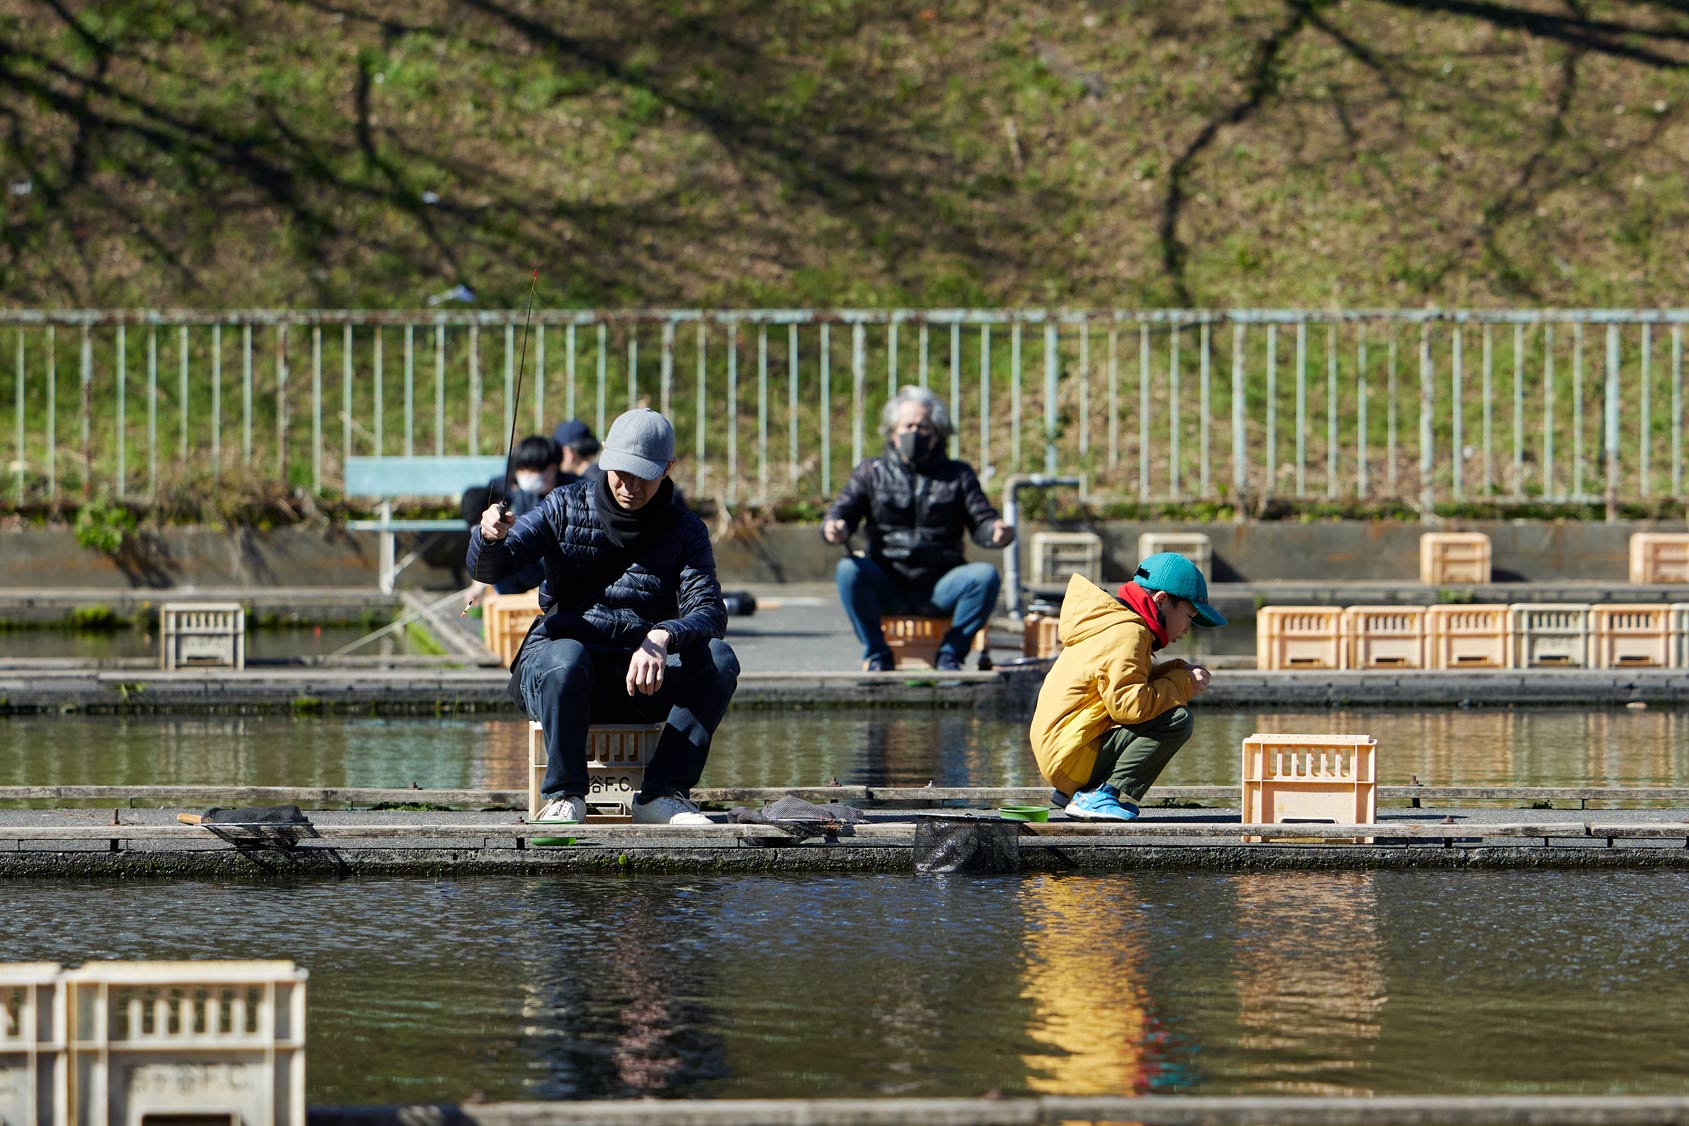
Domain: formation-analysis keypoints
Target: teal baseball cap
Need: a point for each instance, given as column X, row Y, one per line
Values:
column 1178, row 576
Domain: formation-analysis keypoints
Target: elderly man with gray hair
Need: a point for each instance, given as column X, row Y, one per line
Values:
column 917, row 502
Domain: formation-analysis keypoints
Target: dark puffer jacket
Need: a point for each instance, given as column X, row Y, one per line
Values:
column 916, row 519
column 592, row 593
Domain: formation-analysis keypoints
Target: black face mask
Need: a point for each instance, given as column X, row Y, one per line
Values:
column 915, row 446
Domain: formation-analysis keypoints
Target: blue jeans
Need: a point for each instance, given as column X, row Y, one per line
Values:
column 965, row 594
column 567, row 685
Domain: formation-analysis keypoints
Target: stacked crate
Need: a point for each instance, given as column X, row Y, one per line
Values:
column 1454, row 557
column 1056, row 556
column 1659, row 557
column 1195, row 546
column 1524, row 635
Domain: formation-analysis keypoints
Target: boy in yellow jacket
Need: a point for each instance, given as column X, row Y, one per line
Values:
column 1108, row 720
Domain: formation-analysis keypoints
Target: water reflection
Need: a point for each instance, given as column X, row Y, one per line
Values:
column 804, row 748
column 614, row 1010
column 779, row 987
column 1084, row 977
column 1310, row 981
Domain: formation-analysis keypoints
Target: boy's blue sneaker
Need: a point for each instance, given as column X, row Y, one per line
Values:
column 1058, row 799
column 1102, row 804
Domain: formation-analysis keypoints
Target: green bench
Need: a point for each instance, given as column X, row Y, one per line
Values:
column 390, row 478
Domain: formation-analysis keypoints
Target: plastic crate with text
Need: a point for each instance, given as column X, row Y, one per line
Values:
column 179, row 1040
column 616, row 757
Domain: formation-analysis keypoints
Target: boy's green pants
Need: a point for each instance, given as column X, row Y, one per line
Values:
column 1132, row 758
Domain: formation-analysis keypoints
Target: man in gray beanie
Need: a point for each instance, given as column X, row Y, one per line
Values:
column 631, row 622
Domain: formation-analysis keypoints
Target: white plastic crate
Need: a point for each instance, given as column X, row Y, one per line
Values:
column 1385, row 637
column 1659, row 557
column 616, row 757
column 202, row 635
column 1454, row 557
column 1550, row 634
column 1195, row 546
column 1329, row 778
column 207, row 1040
column 1469, row 637
column 34, row 1089
column 1056, row 556
column 1300, row 637
column 1630, row 636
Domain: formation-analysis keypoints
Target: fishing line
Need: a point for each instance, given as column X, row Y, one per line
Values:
column 515, row 402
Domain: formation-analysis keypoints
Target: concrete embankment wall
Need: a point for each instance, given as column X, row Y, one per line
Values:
column 1540, row 552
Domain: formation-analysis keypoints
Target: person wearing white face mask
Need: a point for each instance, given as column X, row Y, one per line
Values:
column 535, row 470
column 916, row 502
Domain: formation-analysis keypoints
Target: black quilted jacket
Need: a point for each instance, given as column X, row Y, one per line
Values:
column 915, row 520
column 592, row 593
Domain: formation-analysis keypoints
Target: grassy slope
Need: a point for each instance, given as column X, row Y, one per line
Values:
column 1212, row 152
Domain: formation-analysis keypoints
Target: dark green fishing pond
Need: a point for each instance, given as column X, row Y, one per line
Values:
column 540, row 988
column 1394, row 982
column 765, row 747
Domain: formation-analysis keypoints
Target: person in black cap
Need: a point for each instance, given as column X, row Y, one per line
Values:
column 535, row 471
column 1109, row 718
column 579, row 450
column 916, row 502
column 632, row 621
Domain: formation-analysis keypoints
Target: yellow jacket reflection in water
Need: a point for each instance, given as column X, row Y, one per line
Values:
column 1084, row 977
column 1103, row 678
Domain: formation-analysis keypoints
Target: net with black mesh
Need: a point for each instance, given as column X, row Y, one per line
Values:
column 966, row 844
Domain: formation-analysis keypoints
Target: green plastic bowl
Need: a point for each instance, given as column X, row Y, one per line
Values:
column 1024, row 812
column 552, row 842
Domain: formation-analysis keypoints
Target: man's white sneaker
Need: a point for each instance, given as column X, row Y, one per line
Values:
column 668, row 811
column 563, row 809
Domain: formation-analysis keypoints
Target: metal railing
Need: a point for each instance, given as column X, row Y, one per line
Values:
column 1560, row 406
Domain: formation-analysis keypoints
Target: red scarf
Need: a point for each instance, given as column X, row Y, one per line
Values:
column 1139, row 601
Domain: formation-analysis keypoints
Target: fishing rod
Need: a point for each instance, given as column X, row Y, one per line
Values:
column 516, row 400
column 503, row 485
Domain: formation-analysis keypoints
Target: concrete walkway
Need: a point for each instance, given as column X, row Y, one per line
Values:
column 151, row 842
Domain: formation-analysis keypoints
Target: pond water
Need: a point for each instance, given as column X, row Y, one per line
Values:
column 279, row 643
column 765, row 747
column 765, row 986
